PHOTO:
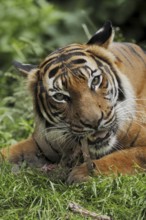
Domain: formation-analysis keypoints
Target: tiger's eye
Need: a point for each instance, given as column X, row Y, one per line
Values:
column 95, row 81
column 59, row 96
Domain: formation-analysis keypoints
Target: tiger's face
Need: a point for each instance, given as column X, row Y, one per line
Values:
column 79, row 93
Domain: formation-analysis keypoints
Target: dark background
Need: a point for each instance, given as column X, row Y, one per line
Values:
column 129, row 15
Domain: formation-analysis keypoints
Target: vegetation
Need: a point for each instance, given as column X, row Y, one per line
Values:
column 31, row 195
column 29, row 31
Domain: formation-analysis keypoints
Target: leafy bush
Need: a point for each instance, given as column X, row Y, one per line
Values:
column 32, row 30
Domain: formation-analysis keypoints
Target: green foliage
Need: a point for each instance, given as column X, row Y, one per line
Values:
column 16, row 113
column 31, row 195
column 32, row 30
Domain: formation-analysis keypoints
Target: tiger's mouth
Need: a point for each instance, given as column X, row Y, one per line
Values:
column 102, row 137
column 98, row 134
column 94, row 136
column 99, row 137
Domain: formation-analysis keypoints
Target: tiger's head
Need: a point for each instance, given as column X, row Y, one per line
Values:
column 79, row 92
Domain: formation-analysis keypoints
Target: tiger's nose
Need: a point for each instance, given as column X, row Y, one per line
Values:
column 92, row 122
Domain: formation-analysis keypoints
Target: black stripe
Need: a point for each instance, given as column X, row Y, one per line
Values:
column 53, row 110
column 109, row 113
column 50, row 117
column 112, row 74
column 80, row 74
column 123, row 54
column 48, row 124
column 57, row 77
column 132, row 49
column 126, row 55
column 53, row 72
column 37, row 107
column 47, row 61
column 108, row 121
column 48, row 66
column 61, row 58
column 35, row 92
column 98, row 62
column 78, row 61
column 64, row 81
column 56, row 113
column 48, row 107
column 61, row 51
column 86, row 124
column 101, row 118
column 66, row 56
column 121, row 94
column 108, row 65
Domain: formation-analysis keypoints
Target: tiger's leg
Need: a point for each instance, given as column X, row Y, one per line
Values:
column 123, row 161
column 27, row 151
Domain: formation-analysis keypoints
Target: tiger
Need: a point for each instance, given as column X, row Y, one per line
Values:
column 95, row 92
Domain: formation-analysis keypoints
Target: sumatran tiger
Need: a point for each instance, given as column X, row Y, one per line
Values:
column 94, row 91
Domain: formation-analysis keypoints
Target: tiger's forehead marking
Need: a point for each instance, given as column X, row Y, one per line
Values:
column 76, row 61
column 63, row 50
column 69, row 55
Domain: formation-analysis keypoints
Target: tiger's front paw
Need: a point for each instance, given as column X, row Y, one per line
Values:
column 79, row 174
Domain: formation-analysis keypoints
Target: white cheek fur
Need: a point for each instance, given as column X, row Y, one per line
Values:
column 125, row 110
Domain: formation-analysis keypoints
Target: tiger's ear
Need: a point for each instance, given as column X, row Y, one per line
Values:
column 25, row 69
column 104, row 36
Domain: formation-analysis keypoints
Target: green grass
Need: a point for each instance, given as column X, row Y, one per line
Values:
column 31, row 195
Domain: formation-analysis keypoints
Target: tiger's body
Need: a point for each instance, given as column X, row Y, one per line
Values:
column 96, row 92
